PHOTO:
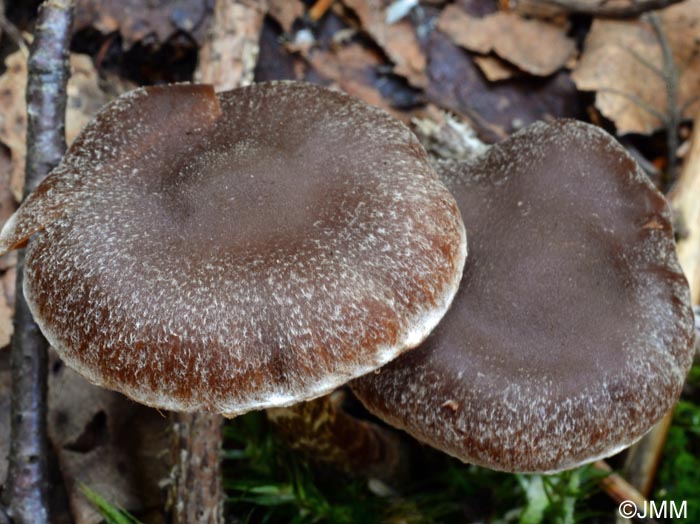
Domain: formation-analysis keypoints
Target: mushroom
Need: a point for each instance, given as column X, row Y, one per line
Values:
column 234, row 251
column 571, row 333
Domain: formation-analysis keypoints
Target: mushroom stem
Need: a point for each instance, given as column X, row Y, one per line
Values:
column 196, row 494
column 324, row 432
column 25, row 495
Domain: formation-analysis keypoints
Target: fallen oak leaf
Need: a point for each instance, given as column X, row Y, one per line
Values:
column 623, row 62
column 495, row 68
column 84, row 99
column 285, row 12
column 104, row 440
column 397, row 40
column 352, row 68
column 13, row 118
column 535, row 46
column 495, row 110
column 6, row 328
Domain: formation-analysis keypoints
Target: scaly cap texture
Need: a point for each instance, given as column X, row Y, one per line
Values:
column 571, row 334
column 237, row 251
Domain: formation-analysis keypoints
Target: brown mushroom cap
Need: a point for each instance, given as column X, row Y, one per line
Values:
column 571, row 333
column 237, row 251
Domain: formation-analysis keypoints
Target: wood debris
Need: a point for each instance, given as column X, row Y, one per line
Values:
column 231, row 49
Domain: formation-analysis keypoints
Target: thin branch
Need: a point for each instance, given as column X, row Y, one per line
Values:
column 48, row 72
column 12, row 32
column 642, row 460
column 319, row 9
column 670, row 77
column 25, row 495
column 619, row 489
column 607, row 9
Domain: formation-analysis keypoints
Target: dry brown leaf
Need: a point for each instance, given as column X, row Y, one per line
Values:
column 494, row 109
column 6, row 328
column 398, row 40
column 495, row 69
column 13, row 118
column 537, row 47
column 136, row 19
column 9, row 277
column 5, row 388
column 85, row 97
column 622, row 60
column 352, row 68
column 686, row 206
column 285, row 12
column 105, row 441
column 7, row 200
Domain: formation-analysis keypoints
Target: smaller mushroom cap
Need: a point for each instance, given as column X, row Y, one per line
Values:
column 239, row 250
column 571, row 334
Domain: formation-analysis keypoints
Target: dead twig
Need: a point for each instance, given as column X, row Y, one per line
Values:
column 606, row 8
column 643, row 458
column 673, row 111
column 619, row 489
column 12, row 32
column 319, row 9
column 25, row 495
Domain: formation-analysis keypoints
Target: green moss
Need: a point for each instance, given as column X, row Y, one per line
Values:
column 268, row 484
column 679, row 475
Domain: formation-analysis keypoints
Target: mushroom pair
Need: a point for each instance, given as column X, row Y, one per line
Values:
column 260, row 247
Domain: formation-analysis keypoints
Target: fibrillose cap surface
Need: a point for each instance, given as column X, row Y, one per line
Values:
column 238, row 251
column 571, row 334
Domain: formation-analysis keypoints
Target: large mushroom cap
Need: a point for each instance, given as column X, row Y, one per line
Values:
column 237, row 251
column 571, row 333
